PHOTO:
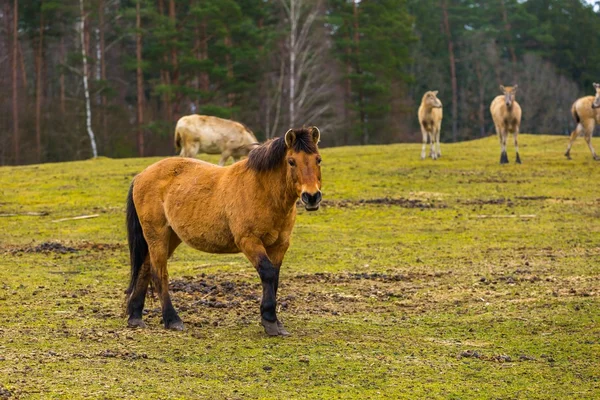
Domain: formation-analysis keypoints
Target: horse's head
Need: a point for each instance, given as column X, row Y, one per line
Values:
column 509, row 94
column 303, row 163
column 596, row 103
column 430, row 98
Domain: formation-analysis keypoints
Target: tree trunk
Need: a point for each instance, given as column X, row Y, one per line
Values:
column 103, row 75
column 347, row 89
column 62, row 76
column 361, row 96
column 230, row 96
column 15, row 97
column 164, row 74
column 452, row 72
column 86, row 90
column 511, row 48
column 38, row 88
column 204, row 79
column 140, row 79
column 174, row 61
column 292, row 98
column 479, row 74
column 22, row 63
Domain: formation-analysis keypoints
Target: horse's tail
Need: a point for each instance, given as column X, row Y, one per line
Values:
column 177, row 140
column 138, row 247
column 575, row 115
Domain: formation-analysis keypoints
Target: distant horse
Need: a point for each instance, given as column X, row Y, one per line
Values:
column 212, row 135
column 506, row 113
column 248, row 207
column 586, row 114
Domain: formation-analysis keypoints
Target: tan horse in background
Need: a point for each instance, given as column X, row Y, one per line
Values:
column 430, row 117
column 248, row 207
column 211, row 135
column 506, row 113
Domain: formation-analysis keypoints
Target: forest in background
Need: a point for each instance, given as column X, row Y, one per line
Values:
column 356, row 69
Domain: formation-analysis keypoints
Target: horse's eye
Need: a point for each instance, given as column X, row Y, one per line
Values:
column 318, row 160
column 292, row 162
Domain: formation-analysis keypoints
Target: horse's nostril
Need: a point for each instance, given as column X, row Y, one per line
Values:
column 318, row 197
column 305, row 198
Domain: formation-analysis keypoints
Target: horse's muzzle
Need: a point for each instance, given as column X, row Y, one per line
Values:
column 311, row 201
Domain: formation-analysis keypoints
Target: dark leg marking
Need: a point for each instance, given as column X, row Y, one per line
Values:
column 518, row 159
column 135, row 306
column 268, row 274
column 170, row 317
column 503, row 158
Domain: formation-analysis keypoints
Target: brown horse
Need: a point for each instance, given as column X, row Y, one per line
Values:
column 248, row 207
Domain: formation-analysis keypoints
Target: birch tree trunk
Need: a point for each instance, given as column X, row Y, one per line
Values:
column 310, row 76
column 88, row 109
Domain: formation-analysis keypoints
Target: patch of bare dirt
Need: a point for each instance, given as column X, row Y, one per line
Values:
column 501, row 201
column 60, row 248
column 204, row 296
column 45, row 248
column 385, row 201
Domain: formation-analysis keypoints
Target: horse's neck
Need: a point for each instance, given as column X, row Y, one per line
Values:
column 280, row 191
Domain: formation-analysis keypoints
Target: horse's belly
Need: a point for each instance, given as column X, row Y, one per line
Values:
column 210, row 246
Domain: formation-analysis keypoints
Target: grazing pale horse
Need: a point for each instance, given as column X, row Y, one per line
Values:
column 430, row 118
column 506, row 113
column 211, row 135
column 247, row 207
column 586, row 113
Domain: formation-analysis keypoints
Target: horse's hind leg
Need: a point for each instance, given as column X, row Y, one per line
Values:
column 516, row 137
column 503, row 136
column 160, row 248
column 589, row 132
column 135, row 305
column 573, row 137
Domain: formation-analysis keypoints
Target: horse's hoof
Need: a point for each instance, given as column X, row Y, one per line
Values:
column 271, row 328
column 136, row 323
column 175, row 325
column 568, row 156
column 282, row 330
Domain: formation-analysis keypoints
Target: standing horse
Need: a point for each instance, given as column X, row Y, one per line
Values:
column 248, row 207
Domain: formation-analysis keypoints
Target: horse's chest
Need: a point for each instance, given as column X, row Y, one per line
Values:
column 269, row 237
column 427, row 124
column 510, row 124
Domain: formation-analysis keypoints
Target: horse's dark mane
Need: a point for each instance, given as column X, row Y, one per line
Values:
column 270, row 155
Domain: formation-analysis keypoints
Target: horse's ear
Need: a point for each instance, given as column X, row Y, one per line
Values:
column 515, row 87
column 502, row 88
column 596, row 85
column 316, row 134
column 290, row 138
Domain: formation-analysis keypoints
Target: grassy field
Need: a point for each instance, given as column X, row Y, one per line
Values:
column 452, row 279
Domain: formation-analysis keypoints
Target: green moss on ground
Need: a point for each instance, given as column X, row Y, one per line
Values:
column 475, row 280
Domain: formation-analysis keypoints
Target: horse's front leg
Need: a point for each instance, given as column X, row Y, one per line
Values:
column 253, row 249
column 276, row 253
